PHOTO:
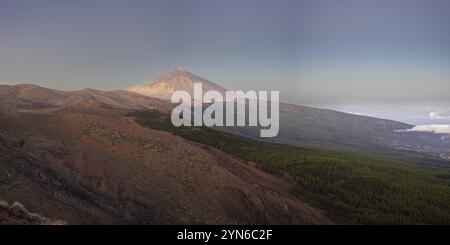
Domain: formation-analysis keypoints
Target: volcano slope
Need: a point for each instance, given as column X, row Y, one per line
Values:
column 91, row 163
column 352, row 187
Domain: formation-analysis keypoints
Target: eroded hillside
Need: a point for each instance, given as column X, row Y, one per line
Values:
column 94, row 164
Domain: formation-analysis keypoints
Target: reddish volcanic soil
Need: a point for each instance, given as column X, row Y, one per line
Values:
column 92, row 164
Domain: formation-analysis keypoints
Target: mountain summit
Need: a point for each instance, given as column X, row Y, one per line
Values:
column 178, row 79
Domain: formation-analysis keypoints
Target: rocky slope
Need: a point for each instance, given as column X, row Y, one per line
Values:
column 92, row 164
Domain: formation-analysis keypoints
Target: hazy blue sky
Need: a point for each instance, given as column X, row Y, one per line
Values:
column 387, row 58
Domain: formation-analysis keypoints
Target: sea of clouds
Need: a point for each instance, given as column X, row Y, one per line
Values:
column 434, row 128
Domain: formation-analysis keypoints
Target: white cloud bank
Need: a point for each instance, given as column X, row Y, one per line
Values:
column 435, row 128
column 435, row 116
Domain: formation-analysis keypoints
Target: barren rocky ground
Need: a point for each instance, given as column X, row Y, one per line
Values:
column 92, row 164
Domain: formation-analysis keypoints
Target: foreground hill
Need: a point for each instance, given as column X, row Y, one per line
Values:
column 93, row 164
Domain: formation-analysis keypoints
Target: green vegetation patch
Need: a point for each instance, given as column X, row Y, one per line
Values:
column 351, row 187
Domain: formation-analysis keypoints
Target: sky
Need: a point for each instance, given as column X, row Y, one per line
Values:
column 382, row 58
